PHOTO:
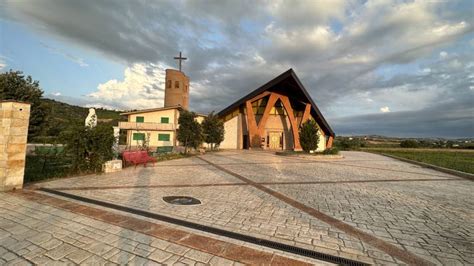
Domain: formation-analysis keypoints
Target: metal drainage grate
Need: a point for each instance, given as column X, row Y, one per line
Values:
column 246, row 238
column 181, row 200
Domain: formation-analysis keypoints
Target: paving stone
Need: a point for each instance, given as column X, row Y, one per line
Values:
column 95, row 260
column 122, row 257
column 79, row 256
column 99, row 248
column 218, row 261
column 198, row 256
column 52, row 243
column 40, row 238
column 60, row 251
column 19, row 262
column 177, row 249
column 9, row 256
column 160, row 255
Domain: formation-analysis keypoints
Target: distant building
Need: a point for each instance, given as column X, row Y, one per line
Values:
column 270, row 116
column 157, row 126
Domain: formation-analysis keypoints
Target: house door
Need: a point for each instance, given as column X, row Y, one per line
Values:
column 275, row 140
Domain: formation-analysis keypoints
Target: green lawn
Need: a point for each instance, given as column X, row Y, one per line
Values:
column 461, row 160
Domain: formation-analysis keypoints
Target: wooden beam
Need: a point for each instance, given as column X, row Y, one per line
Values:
column 270, row 104
column 251, row 123
column 306, row 114
column 329, row 144
column 294, row 125
column 260, row 96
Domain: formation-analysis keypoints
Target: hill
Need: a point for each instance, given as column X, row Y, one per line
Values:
column 60, row 115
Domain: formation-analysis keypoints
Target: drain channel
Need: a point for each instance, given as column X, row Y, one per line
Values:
column 246, row 238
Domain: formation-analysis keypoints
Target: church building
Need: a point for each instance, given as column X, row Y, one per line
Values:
column 267, row 118
column 270, row 116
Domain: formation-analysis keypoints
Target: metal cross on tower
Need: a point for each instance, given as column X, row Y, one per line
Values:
column 180, row 58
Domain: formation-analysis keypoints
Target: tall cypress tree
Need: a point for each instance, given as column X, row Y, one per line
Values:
column 309, row 137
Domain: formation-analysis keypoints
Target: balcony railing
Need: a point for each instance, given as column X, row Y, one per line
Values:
column 146, row 126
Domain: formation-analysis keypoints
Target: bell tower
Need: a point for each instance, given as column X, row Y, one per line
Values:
column 177, row 86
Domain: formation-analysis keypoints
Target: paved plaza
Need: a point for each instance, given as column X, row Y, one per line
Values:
column 364, row 207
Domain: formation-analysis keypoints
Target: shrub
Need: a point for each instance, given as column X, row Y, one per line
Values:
column 409, row 143
column 331, row 151
column 346, row 144
column 87, row 147
column 309, row 135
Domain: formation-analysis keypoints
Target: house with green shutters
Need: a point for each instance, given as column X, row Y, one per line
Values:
column 156, row 126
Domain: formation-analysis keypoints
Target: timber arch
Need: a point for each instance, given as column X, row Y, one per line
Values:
column 270, row 117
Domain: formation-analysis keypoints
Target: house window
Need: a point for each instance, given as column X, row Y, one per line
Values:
column 139, row 119
column 165, row 120
column 169, row 84
column 164, row 137
column 138, row 136
column 176, row 84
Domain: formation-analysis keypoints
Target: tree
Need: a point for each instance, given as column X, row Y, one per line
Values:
column 88, row 147
column 15, row 86
column 213, row 130
column 309, row 137
column 189, row 132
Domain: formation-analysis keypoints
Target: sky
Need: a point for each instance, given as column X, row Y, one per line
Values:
column 393, row 68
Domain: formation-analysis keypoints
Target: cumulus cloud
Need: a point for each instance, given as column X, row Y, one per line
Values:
column 141, row 87
column 385, row 109
column 338, row 49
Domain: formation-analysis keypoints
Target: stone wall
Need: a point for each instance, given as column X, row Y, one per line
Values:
column 14, row 117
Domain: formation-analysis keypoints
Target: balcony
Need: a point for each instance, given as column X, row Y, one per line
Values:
column 146, row 126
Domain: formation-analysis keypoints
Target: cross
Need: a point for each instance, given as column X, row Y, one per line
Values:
column 180, row 58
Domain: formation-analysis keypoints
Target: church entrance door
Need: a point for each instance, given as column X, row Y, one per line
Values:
column 275, row 140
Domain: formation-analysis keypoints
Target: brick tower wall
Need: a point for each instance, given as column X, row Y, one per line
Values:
column 176, row 89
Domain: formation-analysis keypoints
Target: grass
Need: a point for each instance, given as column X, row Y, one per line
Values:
column 461, row 160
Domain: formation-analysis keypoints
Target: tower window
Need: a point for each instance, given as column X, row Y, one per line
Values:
column 169, row 84
column 176, row 84
column 186, row 88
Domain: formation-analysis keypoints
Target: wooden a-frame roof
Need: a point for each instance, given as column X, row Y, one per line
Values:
column 291, row 85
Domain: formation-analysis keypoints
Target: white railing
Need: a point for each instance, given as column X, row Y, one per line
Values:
column 146, row 126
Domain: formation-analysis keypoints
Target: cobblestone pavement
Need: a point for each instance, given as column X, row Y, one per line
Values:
column 32, row 233
column 421, row 211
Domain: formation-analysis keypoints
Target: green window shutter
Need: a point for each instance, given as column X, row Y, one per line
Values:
column 138, row 136
column 164, row 137
column 165, row 120
column 140, row 119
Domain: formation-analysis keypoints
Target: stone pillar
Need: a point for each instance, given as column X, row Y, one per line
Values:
column 14, row 117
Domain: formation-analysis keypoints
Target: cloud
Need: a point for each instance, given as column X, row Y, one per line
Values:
column 385, row 109
column 338, row 49
column 142, row 87
column 56, row 94
column 68, row 56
